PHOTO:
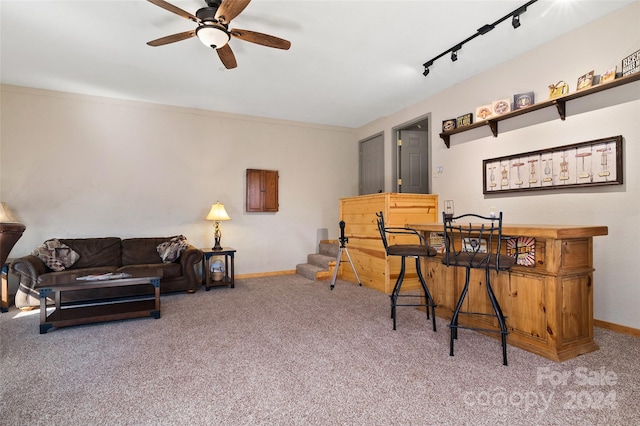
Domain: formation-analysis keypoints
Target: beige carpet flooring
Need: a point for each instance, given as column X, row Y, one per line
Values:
column 288, row 351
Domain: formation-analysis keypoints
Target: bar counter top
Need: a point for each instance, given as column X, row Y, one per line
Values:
column 539, row 231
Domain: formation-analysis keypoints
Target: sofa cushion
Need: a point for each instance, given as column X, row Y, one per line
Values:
column 170, row 250
column 95, row 252
column 162, row 270
column 140, row 251
column 56, row 255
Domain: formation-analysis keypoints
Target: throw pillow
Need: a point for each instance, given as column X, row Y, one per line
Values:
column 170, row 250
column 56, row 255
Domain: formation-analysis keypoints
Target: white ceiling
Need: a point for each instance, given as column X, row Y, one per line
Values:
column 350, row 62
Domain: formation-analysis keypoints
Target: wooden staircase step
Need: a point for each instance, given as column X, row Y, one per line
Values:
column 320, row 266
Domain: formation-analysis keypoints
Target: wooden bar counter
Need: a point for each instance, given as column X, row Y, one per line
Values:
column 548, row 305
column 375, row 269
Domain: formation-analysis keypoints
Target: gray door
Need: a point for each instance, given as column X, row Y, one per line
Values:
column 414, row 162
column 372, row 165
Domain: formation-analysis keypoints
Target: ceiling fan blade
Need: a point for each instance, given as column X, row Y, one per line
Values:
column 227, row 57
column 171, row 8
column 172, row 38
column 229, row 9
column 260, row 38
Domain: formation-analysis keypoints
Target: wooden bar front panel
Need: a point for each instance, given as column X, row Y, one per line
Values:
column 549, row 306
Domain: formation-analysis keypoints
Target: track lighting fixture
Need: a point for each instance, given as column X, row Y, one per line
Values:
column 515, row 23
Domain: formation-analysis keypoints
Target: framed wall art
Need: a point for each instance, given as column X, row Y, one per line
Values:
column 597, row 162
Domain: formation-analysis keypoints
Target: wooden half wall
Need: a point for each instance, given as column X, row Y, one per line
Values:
column 365, row 245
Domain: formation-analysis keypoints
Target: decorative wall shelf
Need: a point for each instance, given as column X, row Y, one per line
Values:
column 559, row 103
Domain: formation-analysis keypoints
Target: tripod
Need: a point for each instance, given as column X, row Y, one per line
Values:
column 343, row 241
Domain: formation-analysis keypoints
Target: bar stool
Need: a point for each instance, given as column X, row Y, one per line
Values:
column 421, row 249
column 476, row 246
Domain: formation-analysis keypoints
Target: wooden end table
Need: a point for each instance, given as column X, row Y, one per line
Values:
column 229, row 278
column 71, row 314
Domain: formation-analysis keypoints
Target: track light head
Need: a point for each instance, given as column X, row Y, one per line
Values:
column 426, row 66
column 515, row 22
column 454, row 52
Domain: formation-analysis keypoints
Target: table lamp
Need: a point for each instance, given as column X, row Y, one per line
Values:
column 217, row 213
column 10, row 232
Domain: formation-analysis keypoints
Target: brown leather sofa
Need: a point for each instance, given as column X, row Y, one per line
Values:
column 135, row 256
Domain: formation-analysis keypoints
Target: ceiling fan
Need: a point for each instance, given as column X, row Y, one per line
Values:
column 213, row 28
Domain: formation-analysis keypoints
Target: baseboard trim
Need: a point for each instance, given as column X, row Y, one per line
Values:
column 622, row 329
column 266, row 274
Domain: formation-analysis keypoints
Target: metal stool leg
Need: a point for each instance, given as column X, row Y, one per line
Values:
column 501, row 319
column 396, row 291
column 427, row 295
column 454, row 319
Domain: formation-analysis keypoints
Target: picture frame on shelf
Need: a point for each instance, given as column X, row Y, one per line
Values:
column 631, row 64
column 448, row 125
column 561, row 88
column 483, row 113
column 499, row 107
column 523, row 100
column 592, row 163
column 608, row 75
column 464, row 120
column 585, row 81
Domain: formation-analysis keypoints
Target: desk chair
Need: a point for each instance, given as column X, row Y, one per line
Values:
column 416, row 251
column 474, row 242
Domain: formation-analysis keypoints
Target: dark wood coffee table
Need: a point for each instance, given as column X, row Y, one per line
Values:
column 75, row 314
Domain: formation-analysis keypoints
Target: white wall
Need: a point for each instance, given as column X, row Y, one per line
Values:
column 597, row 46
column 80, row 166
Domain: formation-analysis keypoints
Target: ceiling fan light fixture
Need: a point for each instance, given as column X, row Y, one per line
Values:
column 212, row 36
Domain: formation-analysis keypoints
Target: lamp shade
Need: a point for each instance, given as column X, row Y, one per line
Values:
column 217, row 212
column 6, row 216
column 10, row 232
